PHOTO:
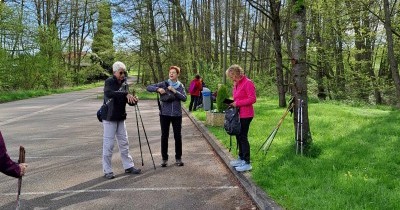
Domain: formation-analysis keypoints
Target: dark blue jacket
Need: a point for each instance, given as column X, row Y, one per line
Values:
column 173, row 108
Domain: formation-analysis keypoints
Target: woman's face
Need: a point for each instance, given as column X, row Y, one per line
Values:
column 120, row 74
column 173, row 75
column 233, row 76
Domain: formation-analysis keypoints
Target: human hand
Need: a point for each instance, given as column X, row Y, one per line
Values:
column 161, row 90
column 131, row 99
column 233, row 104
column 171, row 89
column 23, row 167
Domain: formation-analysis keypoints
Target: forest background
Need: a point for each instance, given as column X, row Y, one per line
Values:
column 349, row 53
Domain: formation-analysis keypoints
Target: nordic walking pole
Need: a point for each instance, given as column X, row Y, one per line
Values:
column 145, row 134
column 140, row 142
column 301, row 127
column 20, row 160
column 265, row 146
column 298, row 127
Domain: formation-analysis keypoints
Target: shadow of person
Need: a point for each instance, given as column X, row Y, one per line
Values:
column 87, row 194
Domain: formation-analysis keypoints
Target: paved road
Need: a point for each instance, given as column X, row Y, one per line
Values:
column 63, row 140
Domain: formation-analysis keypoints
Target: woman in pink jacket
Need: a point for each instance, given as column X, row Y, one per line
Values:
column 244, row 96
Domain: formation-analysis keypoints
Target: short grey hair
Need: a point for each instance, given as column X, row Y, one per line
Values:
column 118, row 66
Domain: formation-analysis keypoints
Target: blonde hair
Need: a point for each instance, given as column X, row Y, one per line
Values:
column 235, row 70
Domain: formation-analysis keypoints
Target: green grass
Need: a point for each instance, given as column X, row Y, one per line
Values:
column 357, row 166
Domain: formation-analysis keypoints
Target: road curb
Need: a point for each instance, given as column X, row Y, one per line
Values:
column 260, row 198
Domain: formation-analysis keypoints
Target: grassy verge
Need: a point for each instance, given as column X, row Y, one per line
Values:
column 358, row 166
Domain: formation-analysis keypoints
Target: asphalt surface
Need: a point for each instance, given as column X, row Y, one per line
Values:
column 63, row 142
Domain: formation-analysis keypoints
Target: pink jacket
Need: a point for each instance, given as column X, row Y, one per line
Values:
column 244, row 95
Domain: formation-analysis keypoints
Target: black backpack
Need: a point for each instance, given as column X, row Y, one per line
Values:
column 232, row 123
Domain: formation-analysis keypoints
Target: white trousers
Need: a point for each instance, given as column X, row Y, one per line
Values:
column 116, row 129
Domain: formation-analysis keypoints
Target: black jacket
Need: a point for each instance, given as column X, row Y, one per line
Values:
column 117, row 93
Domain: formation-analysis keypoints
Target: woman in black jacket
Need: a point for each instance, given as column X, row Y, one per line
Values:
column 116, row 93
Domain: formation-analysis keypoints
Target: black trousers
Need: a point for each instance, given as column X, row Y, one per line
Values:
column 242, row 139
column 176, row 122
column 194, row 102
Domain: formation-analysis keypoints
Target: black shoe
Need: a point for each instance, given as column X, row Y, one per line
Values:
column 164, row 163
column 109, row 175
column 179, row 162
column 133, row 170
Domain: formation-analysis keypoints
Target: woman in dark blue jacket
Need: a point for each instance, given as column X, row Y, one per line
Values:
column 170, row 113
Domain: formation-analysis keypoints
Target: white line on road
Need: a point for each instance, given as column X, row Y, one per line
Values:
column 15, row 119
column 124, row 190
column 98, row 155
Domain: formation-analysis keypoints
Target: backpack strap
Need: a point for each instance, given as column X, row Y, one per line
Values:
column 166, row 83
column 158, row 97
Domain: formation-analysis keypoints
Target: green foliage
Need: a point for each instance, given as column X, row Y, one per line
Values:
column 102, row 44
column 92, row 73
column 49, row 42
column 298, row 6
column 354, row 153
column 222, row 94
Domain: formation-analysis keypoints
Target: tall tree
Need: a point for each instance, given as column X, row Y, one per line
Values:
column 391, row 55
column 272, row 12
column 103, row 37
column 299, row 73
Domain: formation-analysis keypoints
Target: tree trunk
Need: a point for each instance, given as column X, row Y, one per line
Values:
column 339, row 77
column 226, row 41
column 315, row 17
column 276, row 28
column 299, row 72
column 154, row 41
column 217, row 28
column 391, row 56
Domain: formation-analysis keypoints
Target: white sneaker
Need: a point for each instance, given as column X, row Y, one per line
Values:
column 237, row 162
column 244, row 167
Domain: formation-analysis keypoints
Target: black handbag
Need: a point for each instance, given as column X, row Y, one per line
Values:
column 103, row 110
column 168, row 96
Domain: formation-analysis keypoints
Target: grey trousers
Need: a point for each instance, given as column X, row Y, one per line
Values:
column 112, row 130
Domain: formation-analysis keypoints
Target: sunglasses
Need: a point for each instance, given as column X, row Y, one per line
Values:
column 122, row 72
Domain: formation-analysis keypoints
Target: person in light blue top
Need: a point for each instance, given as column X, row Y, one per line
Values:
column 170, row 113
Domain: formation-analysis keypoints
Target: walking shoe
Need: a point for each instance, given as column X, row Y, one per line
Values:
column 109, row 175
column 244, row 167
column 237, row 162
column 133, row 170
column 164, row 163
column 179, row 162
